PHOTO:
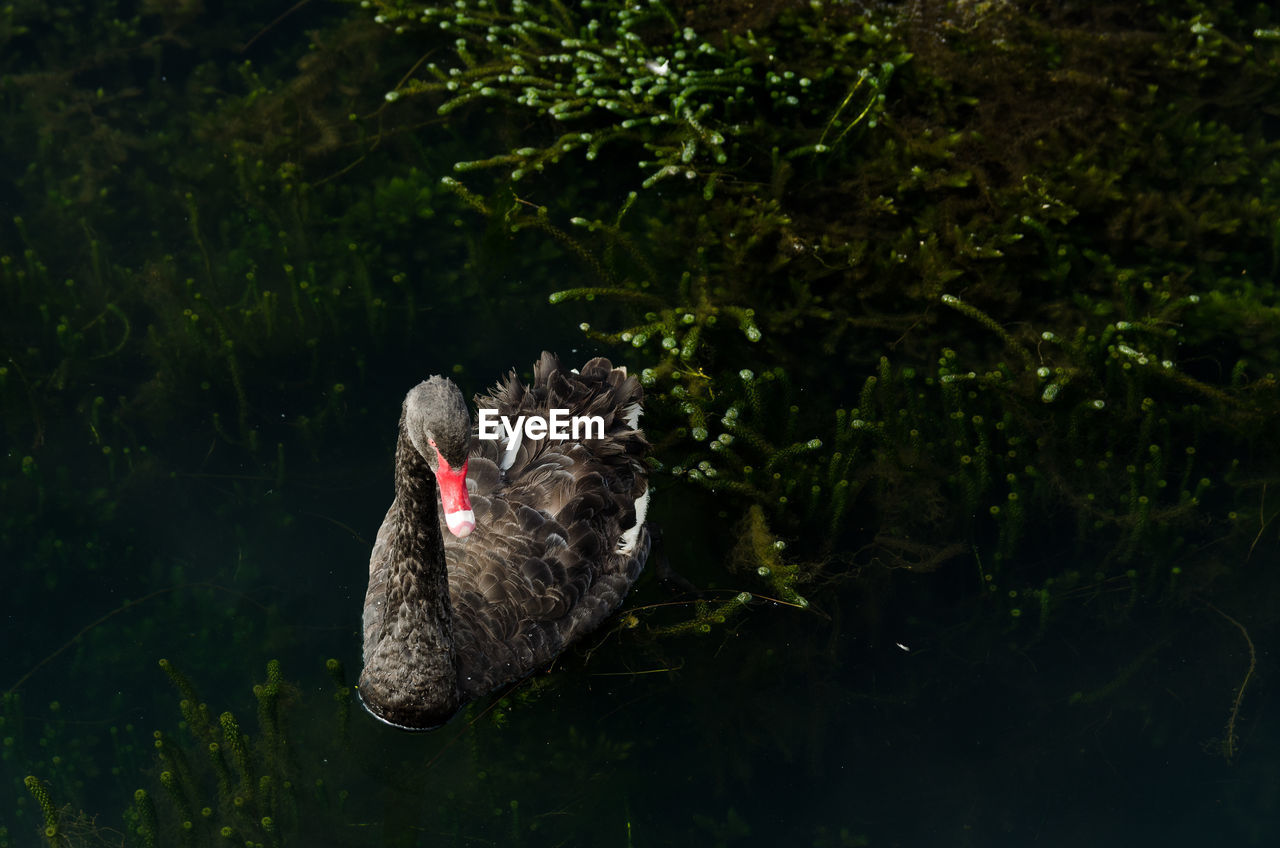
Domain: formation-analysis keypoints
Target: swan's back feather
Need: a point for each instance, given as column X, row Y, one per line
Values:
column 543, row 567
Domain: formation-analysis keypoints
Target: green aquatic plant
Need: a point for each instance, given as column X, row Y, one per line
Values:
column 634, row 76
column 51, row 760
column 1007, row 445
column 1010, row 423
column 1230, row 741
column 679, row 331
column 208, row 781
column 40, row 793
column 217, row 782
column 1087, row 396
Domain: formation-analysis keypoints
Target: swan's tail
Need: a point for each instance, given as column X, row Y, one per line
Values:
column 597, row 390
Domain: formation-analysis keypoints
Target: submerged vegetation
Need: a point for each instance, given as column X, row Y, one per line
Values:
column 916, row 291
column 217, row 785
column 1046, row 293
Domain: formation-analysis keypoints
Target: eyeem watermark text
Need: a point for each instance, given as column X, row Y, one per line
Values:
column 559, row 426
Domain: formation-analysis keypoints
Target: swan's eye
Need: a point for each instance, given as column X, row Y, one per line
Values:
column 431, row 442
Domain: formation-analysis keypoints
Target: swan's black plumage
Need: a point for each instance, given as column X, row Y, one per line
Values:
column 448, row 620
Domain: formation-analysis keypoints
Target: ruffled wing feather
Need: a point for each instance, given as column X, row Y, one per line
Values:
column 543, row 565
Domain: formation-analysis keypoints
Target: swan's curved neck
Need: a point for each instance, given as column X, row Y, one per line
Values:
column 418, row 552
column 416, row 648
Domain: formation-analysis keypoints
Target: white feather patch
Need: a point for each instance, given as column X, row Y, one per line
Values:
column 632, row 415
column 513, row 447
column 627, row 543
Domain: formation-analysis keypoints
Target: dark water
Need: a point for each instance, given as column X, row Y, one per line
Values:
column 898, row 709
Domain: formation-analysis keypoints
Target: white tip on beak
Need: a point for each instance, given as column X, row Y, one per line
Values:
column 461, row 522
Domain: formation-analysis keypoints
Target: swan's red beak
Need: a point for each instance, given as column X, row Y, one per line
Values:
column 454, row 498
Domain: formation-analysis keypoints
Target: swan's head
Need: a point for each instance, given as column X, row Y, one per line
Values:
column 439, row 428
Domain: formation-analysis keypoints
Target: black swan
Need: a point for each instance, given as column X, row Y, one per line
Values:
column 545, row 536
